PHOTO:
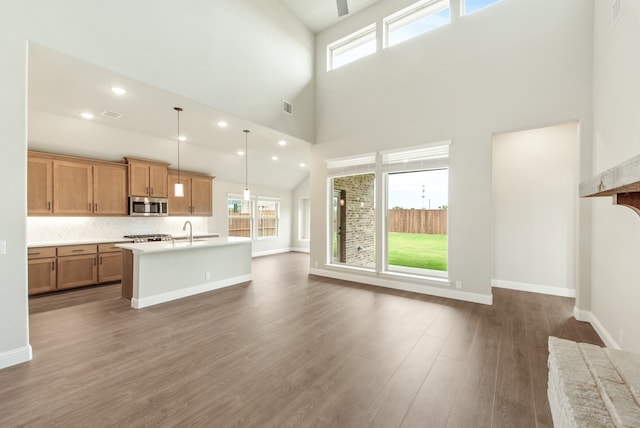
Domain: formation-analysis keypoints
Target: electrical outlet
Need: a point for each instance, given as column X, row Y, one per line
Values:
column 458, row 285
column 621, row 338
column 207, row 275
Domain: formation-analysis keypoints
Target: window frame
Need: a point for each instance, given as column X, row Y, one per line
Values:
column 260, row 219
column 417, row 11
column 234, row 197
column 353, row 40
column 463, row 7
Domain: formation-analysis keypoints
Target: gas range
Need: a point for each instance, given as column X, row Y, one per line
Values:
column 149, row 238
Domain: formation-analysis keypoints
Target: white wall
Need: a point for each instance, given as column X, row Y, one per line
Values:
column 242, row 57
column 515, row 65
column 616, row 230
column 220, row 220
column 300, row 193
column 535, row 191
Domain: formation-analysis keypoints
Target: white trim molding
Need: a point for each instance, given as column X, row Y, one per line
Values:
column 534, row 288
column 270, row 252
column 186, row 292
column 415, row 287
column 15, row 356
column 588, row 316
column 300, row 250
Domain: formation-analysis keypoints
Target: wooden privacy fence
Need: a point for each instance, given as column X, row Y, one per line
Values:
column 433, row 222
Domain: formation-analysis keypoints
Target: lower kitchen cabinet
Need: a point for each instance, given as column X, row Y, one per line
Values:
column 76, row 271
column 71, row 266
column 42, row 270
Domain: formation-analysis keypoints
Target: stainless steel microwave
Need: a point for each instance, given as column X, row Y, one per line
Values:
column 149, row 207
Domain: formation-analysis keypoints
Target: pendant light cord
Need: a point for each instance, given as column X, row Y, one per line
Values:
column 246, row 159
column 178, row 109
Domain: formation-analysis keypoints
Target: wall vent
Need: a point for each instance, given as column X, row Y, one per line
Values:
column 111, row 114
column 287, row 107
column 616, row 10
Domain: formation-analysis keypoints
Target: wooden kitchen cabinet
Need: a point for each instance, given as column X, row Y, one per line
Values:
column 72, row 187
column 198, row 194
column 42, row 270
column 39, row 186
column 77, row 266
column 109, row 263
column 110, row 190
column 147, row 178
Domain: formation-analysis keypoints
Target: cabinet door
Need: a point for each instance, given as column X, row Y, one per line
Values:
column 180, row 206
column 39, row 186
column 42, row 275
column 138, row 179
column 110, row 267
column 72, row 188
column 201, row 196
column 109, row 190
column 158, row 181
column 75, row 271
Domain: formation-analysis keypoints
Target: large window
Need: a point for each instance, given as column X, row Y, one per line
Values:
column 352, row 47
column 413, row 234
column 240, row 216
column 414, row 20
column 268, row 217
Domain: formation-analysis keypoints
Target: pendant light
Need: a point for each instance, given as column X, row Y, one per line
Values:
column 178, row 189
column 247, row 194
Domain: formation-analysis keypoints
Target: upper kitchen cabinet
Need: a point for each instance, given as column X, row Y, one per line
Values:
column 66, row 185
column 110, row 189
column 72, row 187
column 39, row 185
column 147, row 178
column 198, row 194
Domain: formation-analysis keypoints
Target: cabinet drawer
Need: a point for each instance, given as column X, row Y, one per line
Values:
column 109, row 248
column 76, row 250
column 41, row 252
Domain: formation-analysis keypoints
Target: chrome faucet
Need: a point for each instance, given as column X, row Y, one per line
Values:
column 190, row 230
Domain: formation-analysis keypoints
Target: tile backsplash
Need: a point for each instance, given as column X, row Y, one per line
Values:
column 62, row 229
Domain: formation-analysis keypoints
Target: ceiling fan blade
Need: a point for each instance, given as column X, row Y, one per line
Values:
column 343, row 8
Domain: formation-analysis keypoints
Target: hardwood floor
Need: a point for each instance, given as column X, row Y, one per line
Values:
column 294, row 350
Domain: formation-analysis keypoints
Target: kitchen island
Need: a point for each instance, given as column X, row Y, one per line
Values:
column 158, row 272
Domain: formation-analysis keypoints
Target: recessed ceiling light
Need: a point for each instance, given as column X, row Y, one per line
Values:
column 274, row 157
column 182, row 138
column 118, row 91
column 222, row 124
column 241, row 152
column 302, row 165
column 86, row 115
column 282, row 143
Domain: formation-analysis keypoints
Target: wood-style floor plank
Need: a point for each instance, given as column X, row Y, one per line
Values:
column 287, row 349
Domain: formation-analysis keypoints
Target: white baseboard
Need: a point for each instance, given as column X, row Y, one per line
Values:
column 270, row 252
column 533, row 288
column 300, row 250
column 589, row 317
column 186, row 292
column 413, row 286
column 15, row 356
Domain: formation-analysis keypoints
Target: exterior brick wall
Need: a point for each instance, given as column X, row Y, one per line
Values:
column 360, row 224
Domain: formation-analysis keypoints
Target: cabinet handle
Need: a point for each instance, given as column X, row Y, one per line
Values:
column 49, row 206
column 33, row 254
column 89, row 207
column 152, row 190
column 53, row 265
column 95, row 261
column 100, row 259
column 147, row 191
column 95, row 207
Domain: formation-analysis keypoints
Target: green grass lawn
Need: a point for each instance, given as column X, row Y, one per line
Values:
column 418, row 250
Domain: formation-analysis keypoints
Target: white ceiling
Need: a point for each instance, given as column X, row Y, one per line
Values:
column 319, row 15
column 66, row 86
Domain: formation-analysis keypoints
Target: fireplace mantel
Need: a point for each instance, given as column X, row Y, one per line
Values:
column 622, row 182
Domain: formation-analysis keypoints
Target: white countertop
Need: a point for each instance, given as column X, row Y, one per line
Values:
column 159, row 246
